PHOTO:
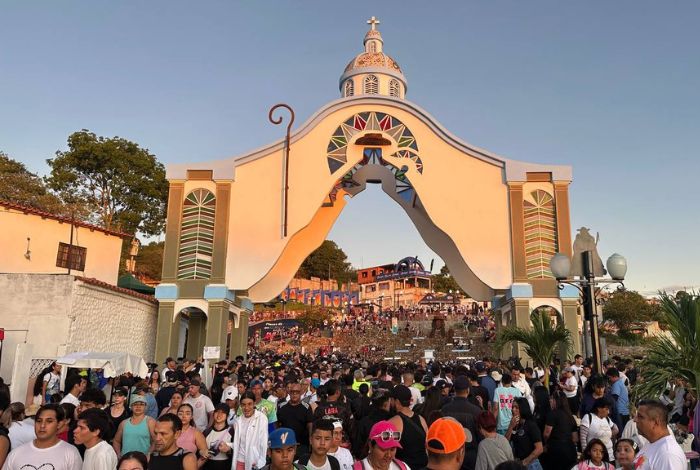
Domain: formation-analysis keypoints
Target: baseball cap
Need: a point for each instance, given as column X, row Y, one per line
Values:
column 138, row 399
column 401, row 393
column 445, row 436
column 461, row 382
column 255, row 382
column 282, row 437
column 385, row 434
column 122, row 391
column 440, row 384
column 231, row 393
column 496, row 375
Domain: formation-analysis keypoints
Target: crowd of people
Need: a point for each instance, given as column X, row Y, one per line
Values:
column 341, row 412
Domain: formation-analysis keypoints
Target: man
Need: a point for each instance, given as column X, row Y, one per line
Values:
column 412, row 427
column 296, row 415
column 521, row 384
column 266, row 407
column 230, row 397
column 167, row 454
column 569, row 386
column 75, row 385
column 47, row 450
column 282, row 445
column 485, row 380
column 380, row 410
column 478, row 395
column 332, row 406
column 445, row 444
column 202, row 406
column 89, row 399
column 678, row 395
column 51, row 383
column 465, row 413
column 170, row 366
column 619, row 392
column 92, row 430
column 410, row 382
column 166, row 391
column 586, row 374
column 383, row 443
column 503, row 398
column 662, row 452
column 321, row 438
column 137, row 432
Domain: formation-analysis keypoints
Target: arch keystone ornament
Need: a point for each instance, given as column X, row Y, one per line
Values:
column 255, row 217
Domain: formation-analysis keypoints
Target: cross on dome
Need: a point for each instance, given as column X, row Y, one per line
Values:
column 373, row 22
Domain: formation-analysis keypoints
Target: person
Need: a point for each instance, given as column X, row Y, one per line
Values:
column 118, row 411
column 133, row 461
column 478, row 395
column 167, row 455
column 250, row 435
column 296, row 415
column 598, row 425
column 343, row 455
column 51, row 383
column 412, row 427
column 265, row 406
column 662, row 452
column 625, row 452
column 321, row 437
column 202, row 406
column 595, row 388
column 47, row 450
column 170, row 366
column 503, row 397
column 219, row 439
column 5, row 445
column 281, row 448
column 380, row 411
column 518, row 380
column 493, row 448
column 569, row 385
column 191, row 439
column 410, row 382
column 383, row 442
column 154, row 381
column 560, row 435
column 75, row 385
column 20, row 430
column 486, row 381
column 136, row 432
column 461, row 409
column 332, row 406
column 524, row 435
column 176, row 399
column 445, row 442
column 594, row 457
column 93, row 431
column 619, row 392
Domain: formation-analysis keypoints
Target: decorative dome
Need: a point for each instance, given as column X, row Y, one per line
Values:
column 372, row 72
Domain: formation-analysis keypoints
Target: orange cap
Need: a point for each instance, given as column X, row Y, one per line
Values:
column 445, row 436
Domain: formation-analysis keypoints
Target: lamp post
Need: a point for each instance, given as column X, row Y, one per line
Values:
column 560, row 265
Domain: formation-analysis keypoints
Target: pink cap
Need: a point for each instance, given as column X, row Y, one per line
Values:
column 375, row 434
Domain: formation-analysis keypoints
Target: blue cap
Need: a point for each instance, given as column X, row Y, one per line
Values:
column 315, row 382
column 255, row 382
column 282, row 437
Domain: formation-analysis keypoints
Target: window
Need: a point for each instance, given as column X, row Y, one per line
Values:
column 372, row 47
column 384, row 286
column 371, row 288
column 197, row 235
column 374, row 272
column 394, row 88
column 71, row 257
column 371, row 85
column 349, row 87
column 364, row 274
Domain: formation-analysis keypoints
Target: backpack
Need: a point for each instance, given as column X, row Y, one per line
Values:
column 335, row 465
column 360, row 464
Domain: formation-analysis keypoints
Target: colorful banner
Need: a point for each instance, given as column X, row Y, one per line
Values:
column 324, row 298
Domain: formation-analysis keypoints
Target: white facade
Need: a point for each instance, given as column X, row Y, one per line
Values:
column 46, row 316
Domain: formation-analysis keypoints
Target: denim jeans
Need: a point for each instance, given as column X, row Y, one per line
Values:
column 534, row 465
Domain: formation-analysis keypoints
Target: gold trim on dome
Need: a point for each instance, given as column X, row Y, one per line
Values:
column 376, row 59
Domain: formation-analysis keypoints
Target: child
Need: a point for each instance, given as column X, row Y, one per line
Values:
column 625, row 451
column 595, row 457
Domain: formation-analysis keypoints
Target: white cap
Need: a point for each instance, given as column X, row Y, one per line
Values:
column 230, row 393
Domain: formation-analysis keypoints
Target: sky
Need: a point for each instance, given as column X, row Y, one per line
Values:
column 610, row 88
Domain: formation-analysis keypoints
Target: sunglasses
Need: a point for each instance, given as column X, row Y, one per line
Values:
column 388, row 436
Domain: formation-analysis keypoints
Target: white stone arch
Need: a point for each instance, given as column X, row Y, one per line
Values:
column 182, row 304
column 554, row 304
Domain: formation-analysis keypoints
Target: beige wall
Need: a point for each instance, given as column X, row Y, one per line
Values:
column 103, row 250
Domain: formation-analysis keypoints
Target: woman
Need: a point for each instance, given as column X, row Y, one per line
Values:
column 542, row 406
column 133, row 461
column 493, row 448
column 218, row 438
column 118, row 411
column 250, row 435
column 191, row 439
column 524, row 435
column 154, row 381
column 175, row 402
column 432, row 403
column 65, row 426
column 625, row 452
column 5, row 445
column 560, row 435
column 598, row 425
column 595, row 457
column 383, row 442
column 19, row 431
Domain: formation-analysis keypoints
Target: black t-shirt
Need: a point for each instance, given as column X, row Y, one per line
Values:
column 296, row 417
column 479, row 391
column 563, row 425
column 524, row 438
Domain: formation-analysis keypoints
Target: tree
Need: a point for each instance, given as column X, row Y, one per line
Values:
column 444, row 282
column 625, row 307
column 314, row 318
column 19, row 185
column 149, row 261
column 327, row 259
column 675, row 354
column 541, row 341
column 123, row 185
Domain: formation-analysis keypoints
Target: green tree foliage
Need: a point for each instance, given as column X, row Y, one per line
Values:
column 19, row 185
column 123, row 185
column 444, row 282
column 626, row 307
column 541, row 342
column 328, row 257
column 149, row 261
column 677, row 353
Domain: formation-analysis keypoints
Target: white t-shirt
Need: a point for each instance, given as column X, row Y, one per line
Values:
column 392, row 465
column 415, row 396
column 21, row 432
column 664, row 454
column 243, row 425
column 571, row 382
column 61, row 456
column 201, row 406
column 54, row 383
column 325, row 466
column 598, row 428
column 214, row 438
column 72, row 399
column 344, row 458
column 100, row 457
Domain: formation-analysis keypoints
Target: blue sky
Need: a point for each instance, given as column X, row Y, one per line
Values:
column 611, row 88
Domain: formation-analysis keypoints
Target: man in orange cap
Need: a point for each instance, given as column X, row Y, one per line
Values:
column 445, row 444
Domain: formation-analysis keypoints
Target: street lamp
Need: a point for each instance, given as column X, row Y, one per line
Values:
column 560, row 265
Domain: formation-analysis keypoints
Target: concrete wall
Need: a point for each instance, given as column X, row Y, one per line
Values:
column 101, row 260
column 59, row 314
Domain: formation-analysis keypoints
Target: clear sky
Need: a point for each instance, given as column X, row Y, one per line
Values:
column 611, row 88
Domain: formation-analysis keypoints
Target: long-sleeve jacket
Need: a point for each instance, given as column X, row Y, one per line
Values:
column 254, row 441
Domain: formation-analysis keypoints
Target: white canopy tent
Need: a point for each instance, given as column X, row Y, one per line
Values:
column 113, row 364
